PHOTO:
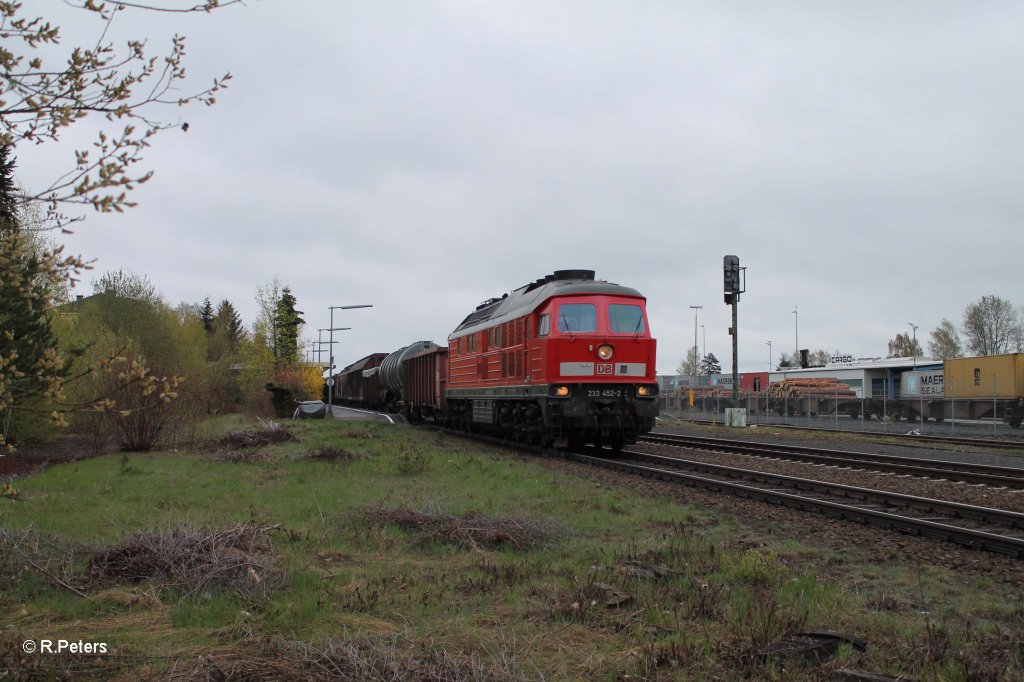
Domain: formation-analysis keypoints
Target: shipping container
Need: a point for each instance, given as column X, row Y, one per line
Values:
column 990, row 376
column 922, row 384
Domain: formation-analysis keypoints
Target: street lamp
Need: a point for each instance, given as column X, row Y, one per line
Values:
column 913, row 348
column 319, row 343
column 330, row 385
column 704, row 354
column 696, row 364
column 769, row 355
column 796, row 332
column 920, row 393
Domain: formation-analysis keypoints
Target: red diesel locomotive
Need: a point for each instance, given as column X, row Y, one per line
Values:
column 566, row 358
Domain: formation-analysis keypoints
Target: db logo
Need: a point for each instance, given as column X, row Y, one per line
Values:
column 605, row 368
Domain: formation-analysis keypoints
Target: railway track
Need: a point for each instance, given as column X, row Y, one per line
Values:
column 971, row 526
column 910, row 438
column 966, row 472
column 976, row 527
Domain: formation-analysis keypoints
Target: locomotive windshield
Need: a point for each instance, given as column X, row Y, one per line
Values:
column 625, row 319
column 577, row 317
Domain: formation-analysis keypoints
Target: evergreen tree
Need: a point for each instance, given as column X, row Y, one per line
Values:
column 709, row 364
column 206, row 315
column 228, row 323
column 287, row 325
column 30, row 367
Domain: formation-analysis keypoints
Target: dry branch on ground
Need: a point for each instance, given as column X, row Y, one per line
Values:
column 471, row 531
column 192, row 560
column 270, row 433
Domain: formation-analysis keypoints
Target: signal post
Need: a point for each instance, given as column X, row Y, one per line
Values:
column 735, row 284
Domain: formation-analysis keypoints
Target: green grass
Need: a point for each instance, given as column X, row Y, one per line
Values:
column 524, row 613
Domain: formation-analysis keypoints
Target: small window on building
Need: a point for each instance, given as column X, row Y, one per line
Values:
column 544, row 325
column 977, row 377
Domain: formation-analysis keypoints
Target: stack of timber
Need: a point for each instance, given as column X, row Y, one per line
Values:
column 822, row 387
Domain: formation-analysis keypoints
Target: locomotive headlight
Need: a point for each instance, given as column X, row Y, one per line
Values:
column 641, row 390
column 562, row 391
column 605, row 352
column 646, row 391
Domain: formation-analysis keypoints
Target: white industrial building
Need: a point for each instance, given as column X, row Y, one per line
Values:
column 868, row 377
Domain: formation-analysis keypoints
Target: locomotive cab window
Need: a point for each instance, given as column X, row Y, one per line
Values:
column 577, row 317
column 544, row 325
column 625, row 319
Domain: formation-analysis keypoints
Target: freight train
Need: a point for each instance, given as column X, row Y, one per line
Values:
column 566, row 359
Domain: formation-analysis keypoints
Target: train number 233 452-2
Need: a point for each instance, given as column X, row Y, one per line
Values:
column 604, row 393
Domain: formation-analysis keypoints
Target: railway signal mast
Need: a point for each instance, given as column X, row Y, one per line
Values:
column 735, row 284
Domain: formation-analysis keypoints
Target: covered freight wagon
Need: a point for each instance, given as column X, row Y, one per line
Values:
column 425, row 376
column 358, row 384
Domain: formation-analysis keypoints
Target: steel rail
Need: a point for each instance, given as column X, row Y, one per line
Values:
column 993, row 444
column 967, row 472
column 1011, row 543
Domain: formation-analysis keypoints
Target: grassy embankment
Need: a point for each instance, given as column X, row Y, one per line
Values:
column 399, row 549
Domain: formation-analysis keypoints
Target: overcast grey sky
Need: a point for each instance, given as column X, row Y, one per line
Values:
column 863, row 160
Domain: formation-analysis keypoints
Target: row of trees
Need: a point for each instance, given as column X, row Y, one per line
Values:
column 87, row 360
column 990, row 326
column 123, row 363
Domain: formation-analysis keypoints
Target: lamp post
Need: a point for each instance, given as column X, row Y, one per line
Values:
column 696, row 363
column 769, row 355
column 913, row 349
column 913, row 343
column 796, row 332
column 703, row 354
column 331, row 329
column 330, row 353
